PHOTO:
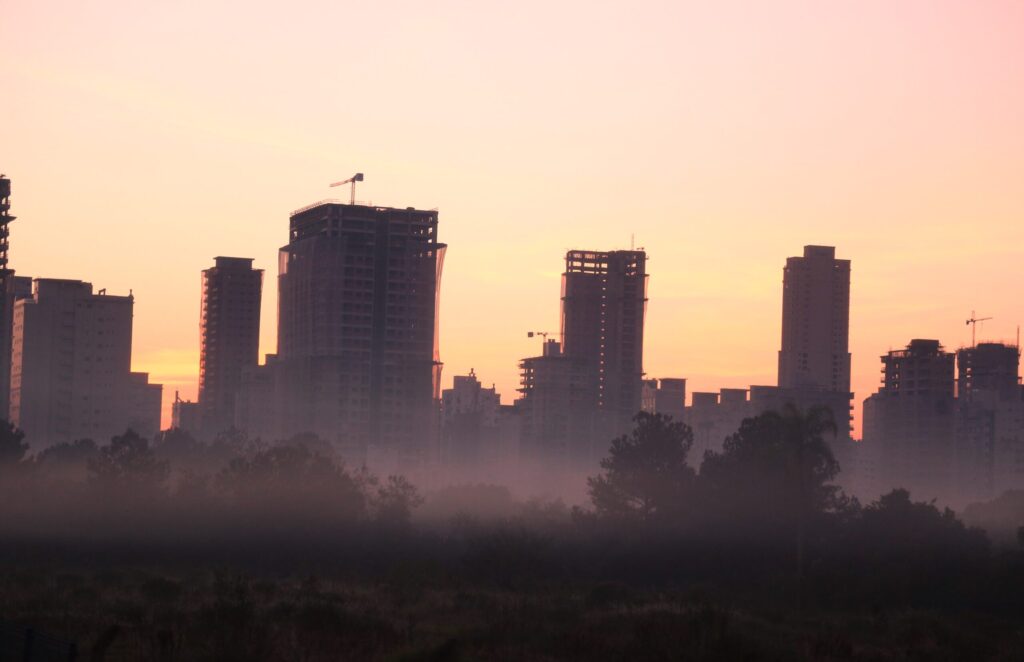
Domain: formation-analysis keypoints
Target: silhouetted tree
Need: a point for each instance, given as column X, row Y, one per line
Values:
column 774, row 475
column 12, row 445
column 292, row 477
column 395, row 500
column 645, row 476
column 129, row 464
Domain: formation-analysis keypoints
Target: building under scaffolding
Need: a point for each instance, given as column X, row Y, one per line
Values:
column 357, row 359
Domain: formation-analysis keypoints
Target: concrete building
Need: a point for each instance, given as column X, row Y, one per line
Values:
column 12, row 288
column 470, row 417
column 186, row 415
column 229, row 337
column 990, row 421
column 357, row 360
column 559, row 419
column 664, row 396
column 604, row 300
column 71, row 367
column 909, row 424
column 815, row 350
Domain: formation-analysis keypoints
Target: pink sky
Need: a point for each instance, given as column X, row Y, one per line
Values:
column 146, row 138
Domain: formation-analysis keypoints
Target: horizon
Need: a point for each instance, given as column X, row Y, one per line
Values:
column 905, row 157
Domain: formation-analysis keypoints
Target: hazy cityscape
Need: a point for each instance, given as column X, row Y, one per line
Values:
column 542, row 331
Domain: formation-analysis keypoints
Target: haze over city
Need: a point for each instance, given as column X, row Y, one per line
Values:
column 142, row 144
column 549, row 330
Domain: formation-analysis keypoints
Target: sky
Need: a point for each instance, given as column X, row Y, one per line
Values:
column 145, row 138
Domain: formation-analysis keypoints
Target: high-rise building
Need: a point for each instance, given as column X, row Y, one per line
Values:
column 990, row 421
column 357, row 360
column 71, row 367
column 558, row 416
column 816, row 321
column 604, row 299
column 229, row 337
column 469, row 423
column 12, row 288
column 909, row 424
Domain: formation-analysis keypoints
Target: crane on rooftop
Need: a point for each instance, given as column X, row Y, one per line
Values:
column 358, row 177
column 973, row 322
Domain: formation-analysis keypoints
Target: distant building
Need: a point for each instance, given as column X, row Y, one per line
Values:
column 815, row 350
column 559, row 419
column 357, row 360
column 713, row 417
column 229, row 337
column 12, row 288
column 604, row 300
column 664, row 396
column 909, row 424
column 71, row 366
column 185, row 415
column 990, row 421
column 470, row 417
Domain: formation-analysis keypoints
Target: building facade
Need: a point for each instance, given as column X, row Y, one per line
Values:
column 12, row 288
column 910, row 423
column 71, row 367
column 357, row 360
column 815, row 350
column 229, row 338
column 604, row 301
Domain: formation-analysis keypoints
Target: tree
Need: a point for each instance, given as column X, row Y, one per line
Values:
column 395, row 500
column 129, row 464
column 774, row 474
column 645, row 477
column 12, row 445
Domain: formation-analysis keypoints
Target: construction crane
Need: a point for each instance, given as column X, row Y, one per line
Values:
column 542, row 334
column 973, row 322
column 358, row 177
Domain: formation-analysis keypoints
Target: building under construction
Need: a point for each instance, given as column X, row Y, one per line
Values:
column 229, row 338
column 12, row 288
column 584, row 391
column 357, row 360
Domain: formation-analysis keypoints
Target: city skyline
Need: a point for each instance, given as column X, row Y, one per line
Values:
column 904, row 156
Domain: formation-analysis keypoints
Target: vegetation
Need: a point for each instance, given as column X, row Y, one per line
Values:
column 238, row 549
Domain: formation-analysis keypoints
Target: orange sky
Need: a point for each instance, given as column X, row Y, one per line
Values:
column 146, row 138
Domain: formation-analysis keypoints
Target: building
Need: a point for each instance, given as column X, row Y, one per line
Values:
column 909, row 424
column 558, row 416
column 815, row 350
column 229, row 338
column 71, row 366
column 604, row 300
column 185, row 415
column 664, row 396
column 12, row 288
column 357, row 360
column 990, row 421
column 471, row 425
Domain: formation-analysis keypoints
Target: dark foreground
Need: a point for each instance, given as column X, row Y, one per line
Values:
column 403, row 609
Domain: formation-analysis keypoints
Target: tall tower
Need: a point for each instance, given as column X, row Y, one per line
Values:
column 12, row 288
column 910, row 421
column 357, row 328
column 229, row 337
column 816, row 322
column 71, row 367
column 604, row 299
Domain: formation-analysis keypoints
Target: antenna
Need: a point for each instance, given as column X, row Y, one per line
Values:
column 974, row 326
column 358, row 177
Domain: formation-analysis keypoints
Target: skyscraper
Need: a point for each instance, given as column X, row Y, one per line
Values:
column 229, row 337
column 12, row 288
column 909, row 424
column 816, row 322
column 71, row 367
column 357, row 359
column 990, row 421
column 604, row 299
